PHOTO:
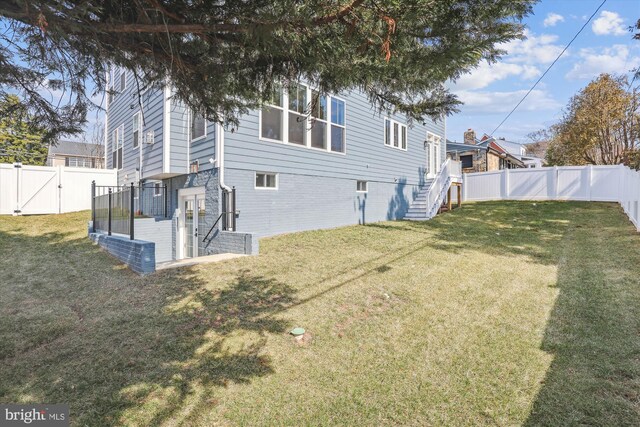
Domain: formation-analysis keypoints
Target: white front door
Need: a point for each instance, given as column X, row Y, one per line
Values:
column 191, row 222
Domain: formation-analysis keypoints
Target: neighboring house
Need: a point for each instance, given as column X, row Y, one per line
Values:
column 291, row 169
column 486, row 154
column 520, row 152
column 533, row 162
column 76, row 154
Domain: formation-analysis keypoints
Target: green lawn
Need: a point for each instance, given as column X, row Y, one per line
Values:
column 509, row 313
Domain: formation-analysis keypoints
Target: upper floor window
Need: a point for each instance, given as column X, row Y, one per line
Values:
column 80, row 162
column 123, row 80
column 117, row 141
column 198, row 127
column 137, row 128
column 338, row 127
column 272, row 117
column 395, row 134
column 298, row 115
column 318, row 120
column 302, row 116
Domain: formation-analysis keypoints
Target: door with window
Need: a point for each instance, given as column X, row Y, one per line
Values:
column 192, row 222
column 433, row 155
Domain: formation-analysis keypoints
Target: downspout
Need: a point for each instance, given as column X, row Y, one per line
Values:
column 141, row 126
column 220, row 162
column 106, row 120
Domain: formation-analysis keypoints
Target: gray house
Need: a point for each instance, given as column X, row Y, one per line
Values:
column 283, row 169
column 76, row 154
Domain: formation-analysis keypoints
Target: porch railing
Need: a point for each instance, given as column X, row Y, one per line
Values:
column 451, row 170
column 114, row 208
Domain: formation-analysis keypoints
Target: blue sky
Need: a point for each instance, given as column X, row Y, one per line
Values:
column 490, row 92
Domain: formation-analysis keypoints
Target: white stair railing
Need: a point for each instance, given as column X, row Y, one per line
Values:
column 438, row 189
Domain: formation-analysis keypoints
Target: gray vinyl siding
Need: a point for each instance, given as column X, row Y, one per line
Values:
column 317, row 189
column 179, row 133
column 183, row 153
column 152, row 154
column 366, row 155
column 121, row 111
column 204, row 149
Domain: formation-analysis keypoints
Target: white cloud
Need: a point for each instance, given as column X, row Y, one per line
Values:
column 552, row 19
column 502, row 102
column 522, row 60
column 486, row 74
column 615, row 60
column 609, row 23
column 533, row 50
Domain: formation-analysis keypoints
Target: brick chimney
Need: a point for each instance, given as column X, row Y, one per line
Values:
column 470, row 137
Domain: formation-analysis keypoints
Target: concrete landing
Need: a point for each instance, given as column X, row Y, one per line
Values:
column 195, row 261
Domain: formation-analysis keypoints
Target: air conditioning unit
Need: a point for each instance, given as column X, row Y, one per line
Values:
column 149, row 137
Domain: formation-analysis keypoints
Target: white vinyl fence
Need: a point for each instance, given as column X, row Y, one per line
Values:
column 26, row 190
column 588, row 183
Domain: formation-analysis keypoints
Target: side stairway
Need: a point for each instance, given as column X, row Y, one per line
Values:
column 418, row 209
column 433, row 193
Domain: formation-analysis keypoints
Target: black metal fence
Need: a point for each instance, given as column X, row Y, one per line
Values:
column 114, row 208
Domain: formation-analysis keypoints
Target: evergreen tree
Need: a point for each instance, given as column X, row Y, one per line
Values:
column 223, row 58
column 20, row 140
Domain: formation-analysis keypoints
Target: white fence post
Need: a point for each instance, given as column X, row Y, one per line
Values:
column 505, row 183
column 554, row 180
column 464, row 188
column 636, row 179
column 589, row 181
column 60, row 171
column 18, row 170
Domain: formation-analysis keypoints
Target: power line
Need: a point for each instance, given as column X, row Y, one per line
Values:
column 549, row 68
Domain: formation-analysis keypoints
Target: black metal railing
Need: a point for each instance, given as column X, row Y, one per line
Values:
column 114, row 208
column 227, row 218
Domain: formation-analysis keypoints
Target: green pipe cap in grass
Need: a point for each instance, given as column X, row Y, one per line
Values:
column 297, row 332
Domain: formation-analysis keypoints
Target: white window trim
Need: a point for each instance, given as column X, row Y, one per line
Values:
column 120, row 137
column 192, row 140
column 366, row 186
column 120, row 88
column 285, row 123
column 433, row 138
column 400, row 127
column 133, row 130
column 266, row 173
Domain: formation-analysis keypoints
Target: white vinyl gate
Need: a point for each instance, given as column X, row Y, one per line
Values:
column 29, row 190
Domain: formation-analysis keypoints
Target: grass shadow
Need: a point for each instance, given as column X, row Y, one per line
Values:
column 78, row 328
column 593, row 329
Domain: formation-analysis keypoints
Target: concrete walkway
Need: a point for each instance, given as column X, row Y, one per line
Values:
column 195, row 261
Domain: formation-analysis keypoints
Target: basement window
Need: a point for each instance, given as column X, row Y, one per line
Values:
column 267, row 180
